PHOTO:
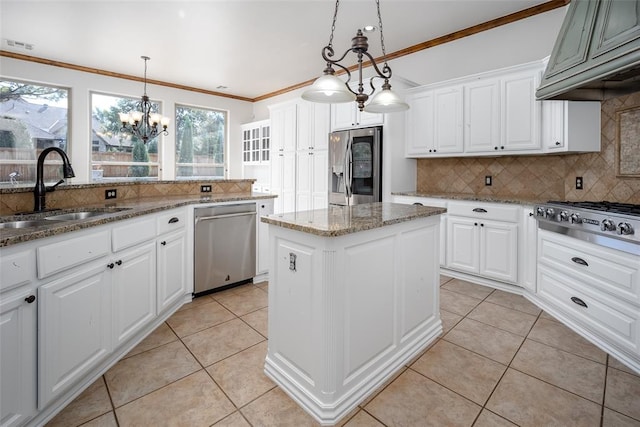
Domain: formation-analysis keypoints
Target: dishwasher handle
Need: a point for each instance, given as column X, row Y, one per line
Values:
column 208, row 218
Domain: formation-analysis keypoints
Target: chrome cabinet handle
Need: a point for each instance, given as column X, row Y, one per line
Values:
column 580, row 261
column 578, row 301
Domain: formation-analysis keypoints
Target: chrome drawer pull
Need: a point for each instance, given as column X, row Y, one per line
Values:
column 579, row 302
column 579, row 261
column 480, row 210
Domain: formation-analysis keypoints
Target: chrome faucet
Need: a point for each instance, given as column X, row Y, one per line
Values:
column 40, row 189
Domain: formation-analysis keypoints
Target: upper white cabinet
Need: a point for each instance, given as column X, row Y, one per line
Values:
column 256, row 142
column 496, row 113
column 347, row 115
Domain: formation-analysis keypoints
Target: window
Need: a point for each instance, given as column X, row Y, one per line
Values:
column 116, row 155
column 32, row 118
column 200, row 142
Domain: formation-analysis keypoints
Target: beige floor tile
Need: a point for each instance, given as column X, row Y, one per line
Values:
column 530, row 402
column 489, row 419
column 615, row 363
column 457, row 303
column 467, row 288
column 623, row 393
column 106, row 420
column 565, row 370
column 449, row 320
column 160, row 336
column 377, row 391
column 138, row 375
column 444, row 279
column 91, row 403
column 192, row 401
column 241, row 376
column 494, row 343
column 197, row 302
column 258, row 320
column 614, row 419
column 516, row 302
column 559, row 336
column 234, row 290
column 547, row 316
column 241, row 303
column 503, row 318
column 263, row 285
column 218, row 342
column 413, row 400
column 460, row 370
column 234, row 420
column 276, row 409
column 188, row 322
column 363, row 419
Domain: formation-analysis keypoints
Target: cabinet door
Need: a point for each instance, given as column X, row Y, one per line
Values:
column 520, row 112
column 365, row 118
column 17, row 358
column 172, row 267
column 499, row 250
column 246, row 145
column 319, row 179
column 527, row 250
column 265, row 207
column 420, row 124
column 134, row 291
column 283, row 127
column 265, row 143
column 463, row 244
column 553, row 124
column 288, row 187
column 482, row 116
column 304, row 176
column 448, row 120
column 74, row 328
column 343, row 115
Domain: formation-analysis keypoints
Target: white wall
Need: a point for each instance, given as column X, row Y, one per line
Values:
column 81, row 84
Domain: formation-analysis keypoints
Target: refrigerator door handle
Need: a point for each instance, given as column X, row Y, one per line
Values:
column 347, row 171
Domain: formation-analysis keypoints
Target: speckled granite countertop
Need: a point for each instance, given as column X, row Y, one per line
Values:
column 473, row 197
column 115, row 212
column 340, row 220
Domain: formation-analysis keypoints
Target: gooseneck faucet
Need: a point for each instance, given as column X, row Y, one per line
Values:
column 40, row 190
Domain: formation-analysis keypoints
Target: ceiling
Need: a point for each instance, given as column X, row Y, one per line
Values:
column 252, row 47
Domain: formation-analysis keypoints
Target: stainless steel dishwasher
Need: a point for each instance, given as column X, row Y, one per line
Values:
column 225, row 246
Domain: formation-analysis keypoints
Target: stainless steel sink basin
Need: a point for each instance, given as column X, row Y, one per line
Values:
column 24, row 224
column 71, row 216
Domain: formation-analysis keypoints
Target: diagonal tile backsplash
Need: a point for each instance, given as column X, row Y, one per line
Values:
column 545, row 177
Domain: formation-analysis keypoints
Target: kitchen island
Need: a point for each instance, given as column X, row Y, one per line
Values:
column 353, row 296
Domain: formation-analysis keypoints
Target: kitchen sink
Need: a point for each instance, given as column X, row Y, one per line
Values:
column 71, row 216
column 24, row 224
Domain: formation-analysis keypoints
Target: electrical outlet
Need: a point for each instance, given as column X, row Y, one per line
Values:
column 579, row 183
column 110, row 194
column 487, row 180
column 205, row 189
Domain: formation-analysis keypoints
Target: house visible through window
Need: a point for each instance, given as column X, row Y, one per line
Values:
column 200, row 142
column 117, row 155
column 32, row 118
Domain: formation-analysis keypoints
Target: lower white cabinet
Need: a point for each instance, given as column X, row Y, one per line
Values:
column 485, row 242
column 133, row 278
column 18, row 356
column 74, row 327
column 265, row 207
column 172, row 266
column 527, row 249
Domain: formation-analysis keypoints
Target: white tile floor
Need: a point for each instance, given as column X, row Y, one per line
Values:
column 500, row 362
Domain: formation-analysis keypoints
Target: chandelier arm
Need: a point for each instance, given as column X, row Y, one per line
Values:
column 386, row 70
column 329, row 54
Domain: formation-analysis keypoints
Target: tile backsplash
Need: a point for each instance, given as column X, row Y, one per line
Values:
column 545, row 177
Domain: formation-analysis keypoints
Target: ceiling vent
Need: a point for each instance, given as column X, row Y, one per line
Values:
column 19, row 45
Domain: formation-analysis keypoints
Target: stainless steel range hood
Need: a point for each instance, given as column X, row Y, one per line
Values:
column 597, row 53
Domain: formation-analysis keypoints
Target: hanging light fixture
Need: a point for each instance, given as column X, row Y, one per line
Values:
column 332, row 90
column 143, row 123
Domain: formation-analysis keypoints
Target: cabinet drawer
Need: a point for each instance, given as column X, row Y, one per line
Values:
column 172, row 220
column 609, row 270
column 494, row 211
column 603, row 314
column 133, row 232
column 16, row 268
column 426, row 201
column 68, row 253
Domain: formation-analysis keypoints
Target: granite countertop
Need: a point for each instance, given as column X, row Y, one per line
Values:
column 340, row 220
column 474, row 197
column 118, row 211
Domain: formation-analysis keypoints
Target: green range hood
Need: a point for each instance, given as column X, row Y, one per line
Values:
column 597, row 53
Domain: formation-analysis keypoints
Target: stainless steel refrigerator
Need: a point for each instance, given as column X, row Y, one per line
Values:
column 355, row 166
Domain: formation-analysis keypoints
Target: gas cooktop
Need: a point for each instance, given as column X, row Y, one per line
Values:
column 612, row 207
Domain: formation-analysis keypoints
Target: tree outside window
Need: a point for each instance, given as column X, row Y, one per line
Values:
column 32, row 118
column 200, row 142
column 119, row 155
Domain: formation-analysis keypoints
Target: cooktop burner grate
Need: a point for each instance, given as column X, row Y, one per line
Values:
column 611, row 207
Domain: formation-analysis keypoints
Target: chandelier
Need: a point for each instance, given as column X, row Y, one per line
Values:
column 328, row 88
column 143, row 122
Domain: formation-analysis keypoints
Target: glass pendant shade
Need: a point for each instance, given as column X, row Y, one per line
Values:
column 328, row 89
column 386, row 101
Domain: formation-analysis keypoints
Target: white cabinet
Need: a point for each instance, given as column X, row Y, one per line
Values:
column 520, row 111
column 283, row 181
column 482, row 239
column 17, row 355
column 347, row 115
column 419, row 119
column 311, row 180
column 481, row 115
column 256, row 142
column 284, row 121
column 447, row 122
column 172, row 267
column 264, row 207
column 527, row 250
column 74, row 328
column 571, row 126
column 133, row 278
